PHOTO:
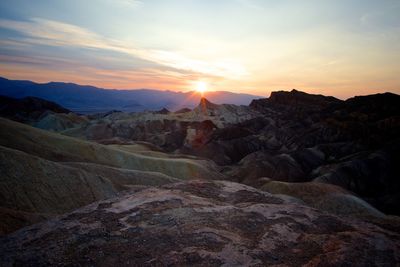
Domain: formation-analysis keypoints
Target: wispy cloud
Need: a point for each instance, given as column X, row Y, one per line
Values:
column 126, row 3
column 53, row 33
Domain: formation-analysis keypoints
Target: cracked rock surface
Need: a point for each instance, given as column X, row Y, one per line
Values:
column 201, row 223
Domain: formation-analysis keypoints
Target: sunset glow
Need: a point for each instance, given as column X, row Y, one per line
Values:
column 339, row 48
column 201, row 87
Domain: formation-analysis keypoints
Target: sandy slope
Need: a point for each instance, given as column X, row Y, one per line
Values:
column 43, row 174
column 57, row 147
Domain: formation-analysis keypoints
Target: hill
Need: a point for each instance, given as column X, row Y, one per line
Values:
column 44, row 174
column 290, row 137
column 315, row 173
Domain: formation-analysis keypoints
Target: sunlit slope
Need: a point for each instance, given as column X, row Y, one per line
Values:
column 56, row 147
column 33, row 188
column 32, row 184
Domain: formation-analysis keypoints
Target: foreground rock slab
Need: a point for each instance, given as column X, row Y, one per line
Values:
column 201, row 223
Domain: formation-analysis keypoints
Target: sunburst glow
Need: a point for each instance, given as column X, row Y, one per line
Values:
column 201, row 87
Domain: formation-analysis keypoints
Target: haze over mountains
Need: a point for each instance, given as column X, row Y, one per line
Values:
column 90, row 99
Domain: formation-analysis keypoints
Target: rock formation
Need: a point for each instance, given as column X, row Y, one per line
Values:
column 201, row 223
column 44, row 174
column 323, row 174
column 27, row 109
column 61, row 148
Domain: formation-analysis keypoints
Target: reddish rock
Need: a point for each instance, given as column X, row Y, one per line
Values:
column 201, row 223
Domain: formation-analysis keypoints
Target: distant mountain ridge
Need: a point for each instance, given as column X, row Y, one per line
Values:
column 90, row 99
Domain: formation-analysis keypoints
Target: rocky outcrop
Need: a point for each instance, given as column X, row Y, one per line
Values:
column 222, row 115
column 372, row 175
column 27, row 109
column 162, row 111
column 183, row 110
column 306, row 120
column 177, row 131
column 293, row 101
column 288, row 167
column 296, row 98
column 356, row 144
column 326, row 197
column 201, row 223
column 58, row 122
column 289, row 137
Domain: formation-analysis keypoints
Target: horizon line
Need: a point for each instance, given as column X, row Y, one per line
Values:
column 188, row 91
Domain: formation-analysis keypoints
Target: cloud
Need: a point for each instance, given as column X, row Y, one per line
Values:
column 53, row 33
column 126, row 3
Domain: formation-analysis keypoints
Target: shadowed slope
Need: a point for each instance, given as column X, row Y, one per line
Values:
column 327, row 197
column 27, row 109
column 43, row 173
column 33, row 189
column 57, row 147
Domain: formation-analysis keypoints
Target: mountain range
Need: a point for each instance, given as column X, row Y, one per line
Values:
column 89, row 99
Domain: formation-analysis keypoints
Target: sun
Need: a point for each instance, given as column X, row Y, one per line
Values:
column 201, row 87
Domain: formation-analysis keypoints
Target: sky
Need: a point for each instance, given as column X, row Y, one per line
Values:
column 333, row 47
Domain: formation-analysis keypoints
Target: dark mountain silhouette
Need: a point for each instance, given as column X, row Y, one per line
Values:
column 90, row 99
column 27, row 108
